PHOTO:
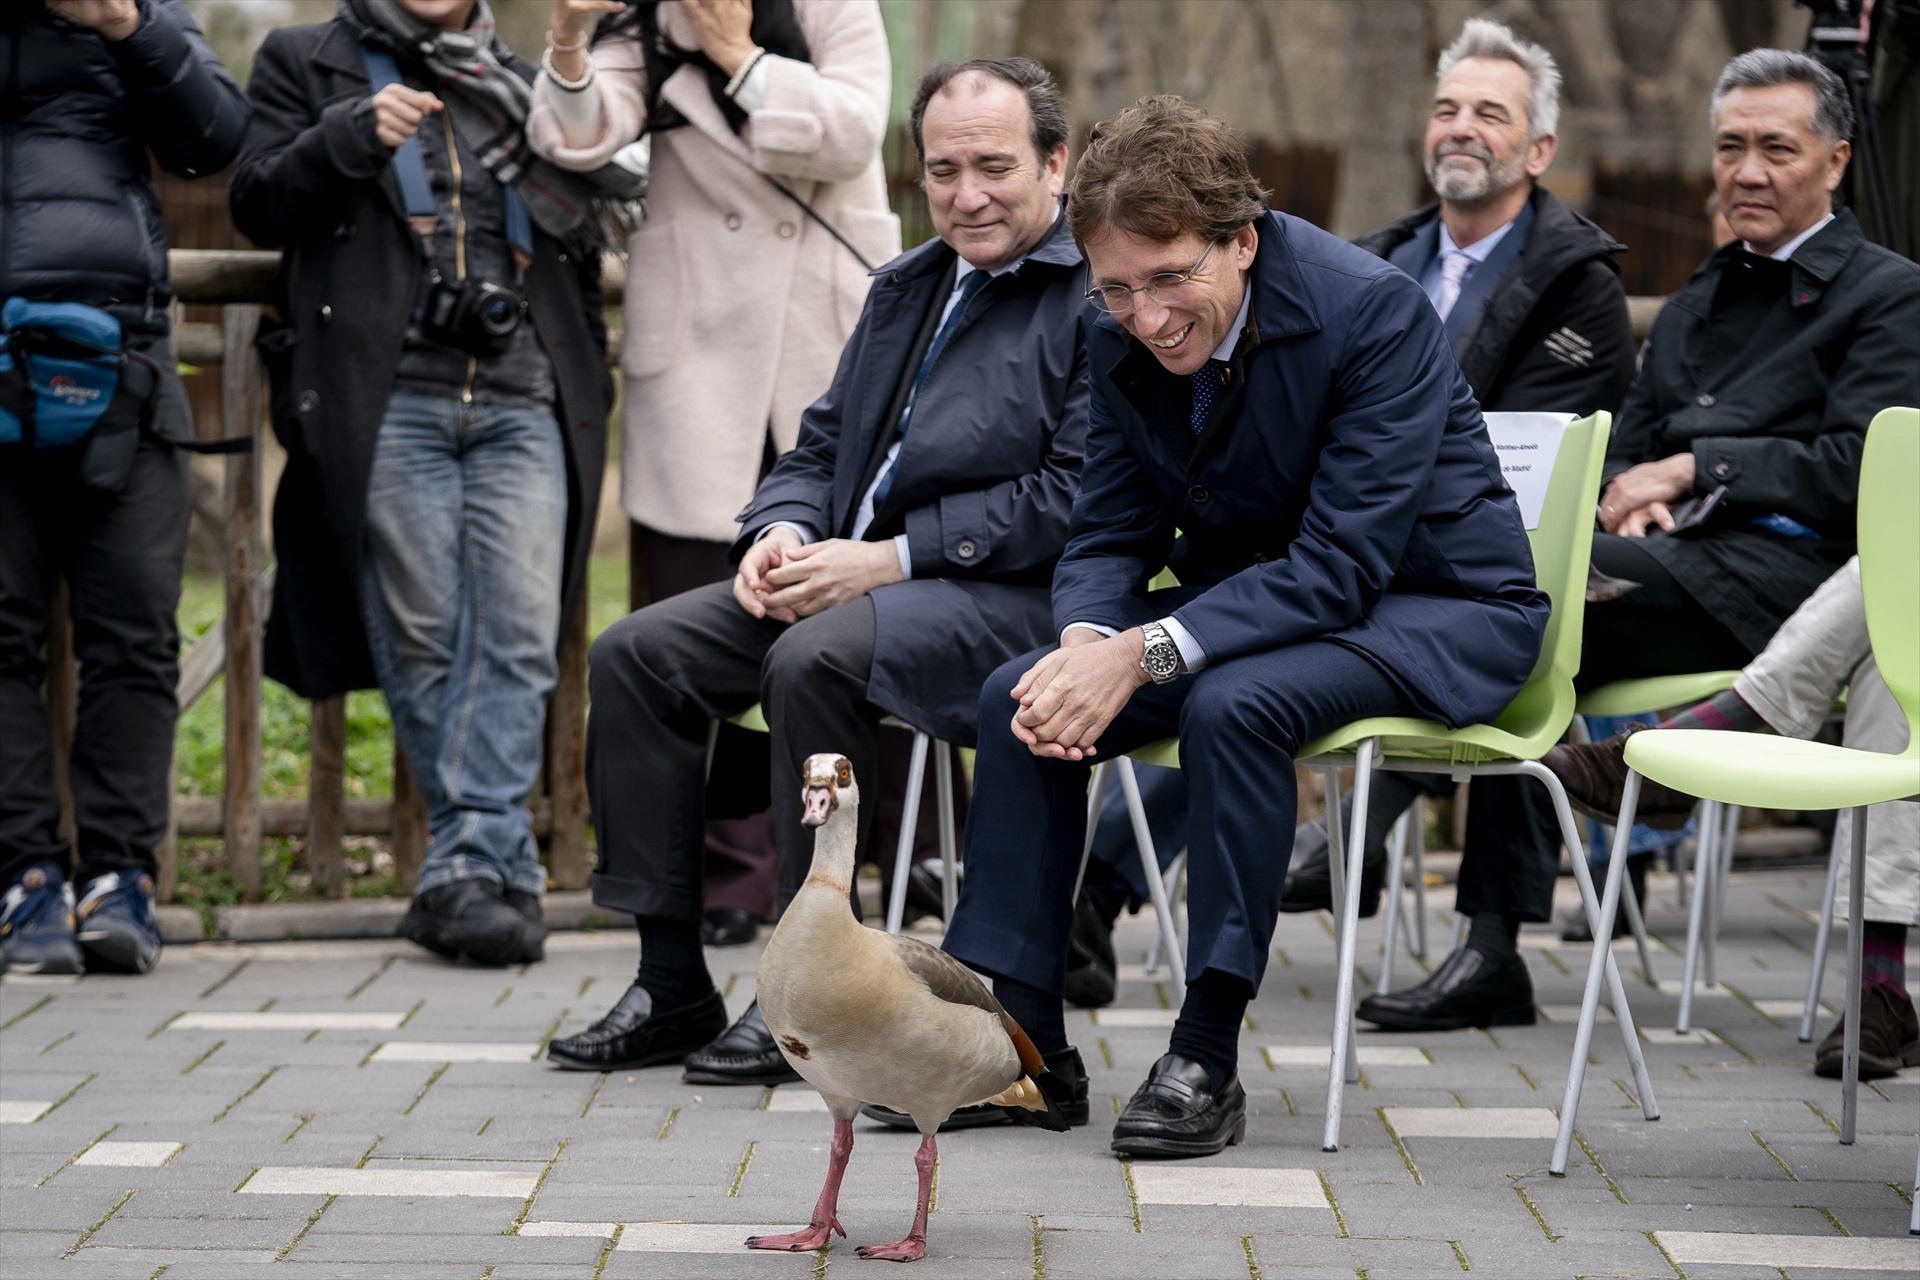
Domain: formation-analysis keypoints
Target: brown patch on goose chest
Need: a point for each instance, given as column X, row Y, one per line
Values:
column 795, row 1047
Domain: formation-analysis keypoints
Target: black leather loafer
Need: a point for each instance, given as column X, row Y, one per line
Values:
column 1469, row 989
column 1092, row 975
column 1066, row 1081
column 1177, row 1113
column 728, row 927
column 634, row 1035
column 1309, row 884
column 742, row 1054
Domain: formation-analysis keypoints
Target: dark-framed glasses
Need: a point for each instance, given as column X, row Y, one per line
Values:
column 1117, row 299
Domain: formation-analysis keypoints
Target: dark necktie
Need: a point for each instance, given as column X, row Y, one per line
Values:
column 975, row 281
column 1206, row 385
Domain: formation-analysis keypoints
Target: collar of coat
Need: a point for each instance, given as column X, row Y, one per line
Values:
column 1057, row 249
column 1561, row 238
column 1815, row 263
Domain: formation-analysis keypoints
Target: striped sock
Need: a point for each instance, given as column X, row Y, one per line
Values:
column 1883, row 951
column 1723, row 711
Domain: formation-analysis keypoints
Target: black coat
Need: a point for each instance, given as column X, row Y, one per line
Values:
column 78, row 114
column 1551, row 333
column 1775, row 407
column 1342, row 488
column 985, row 477
column 315, row 183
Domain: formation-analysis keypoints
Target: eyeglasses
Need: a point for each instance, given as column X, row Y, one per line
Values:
column 1117, row 299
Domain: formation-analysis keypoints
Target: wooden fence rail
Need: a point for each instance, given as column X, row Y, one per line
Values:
column 240, row 282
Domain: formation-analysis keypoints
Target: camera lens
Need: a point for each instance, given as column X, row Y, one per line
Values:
column 497, row 314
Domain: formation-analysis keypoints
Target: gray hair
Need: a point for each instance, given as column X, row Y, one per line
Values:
column 1483, row 39
column 1765, row 68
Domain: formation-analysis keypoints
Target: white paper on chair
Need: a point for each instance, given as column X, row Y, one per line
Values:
column 1527, row 445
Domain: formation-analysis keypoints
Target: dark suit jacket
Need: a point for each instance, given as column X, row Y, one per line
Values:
column 984, row 481
column 1542, row 324
column 1343, row 489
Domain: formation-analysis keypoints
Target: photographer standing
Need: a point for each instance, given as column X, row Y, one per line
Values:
column 440, row 383
column 87, row 88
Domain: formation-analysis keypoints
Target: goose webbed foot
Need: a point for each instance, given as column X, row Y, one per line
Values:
column 807, row 1241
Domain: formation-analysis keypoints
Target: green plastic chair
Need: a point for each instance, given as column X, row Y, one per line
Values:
column 754, row 720
column 1787, row 773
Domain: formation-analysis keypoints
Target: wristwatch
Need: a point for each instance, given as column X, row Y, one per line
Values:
column 1161, row 660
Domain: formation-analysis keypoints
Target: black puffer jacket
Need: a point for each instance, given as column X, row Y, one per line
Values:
column 78, row 217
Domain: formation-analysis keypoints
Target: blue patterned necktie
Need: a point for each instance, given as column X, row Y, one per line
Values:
column 1206, row 385
column 975, row 281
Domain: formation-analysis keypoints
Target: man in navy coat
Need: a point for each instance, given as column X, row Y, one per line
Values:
column 1275, row 415
column 888, row 563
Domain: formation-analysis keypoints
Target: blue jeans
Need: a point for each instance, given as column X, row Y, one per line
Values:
column 466, row 522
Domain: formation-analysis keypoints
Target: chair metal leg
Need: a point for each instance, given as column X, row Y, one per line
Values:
column 1637, row 925
column 1696, row 926
column 1709, row 888
column 1417, row 835
column 1913, row 1219
column 1150, row 866
column 1175, row 881
column 1598, row 966
column 903, row 856
column 1680, row 876
column 1096, row 797
column 1337, row 887
column 1343, row 1063
column 1856, row 935
column 949, row 852
column 1390, row 930
column 1723, row 862
column 1822, row 940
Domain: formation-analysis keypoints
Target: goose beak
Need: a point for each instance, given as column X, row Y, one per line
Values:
column 817, row 803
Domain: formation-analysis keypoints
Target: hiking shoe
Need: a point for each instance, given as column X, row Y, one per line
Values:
column 116, row 925
column 472, row 920
column 1889, row 1036
column 36, row 924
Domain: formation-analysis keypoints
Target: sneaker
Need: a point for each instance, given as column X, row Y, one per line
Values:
column 472, row 920
column 116, row 924
column 36, row 924
column 1889, row 1036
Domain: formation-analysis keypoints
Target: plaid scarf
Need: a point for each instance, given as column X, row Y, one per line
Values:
column 489, row 106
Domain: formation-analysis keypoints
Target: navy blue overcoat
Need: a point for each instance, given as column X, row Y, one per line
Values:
column 984, row 481
column 1344, row 488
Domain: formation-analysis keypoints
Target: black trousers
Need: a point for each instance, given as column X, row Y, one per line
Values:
column 1513, row 839
column 1240, row 724
column 122, row 555
column 659, row 677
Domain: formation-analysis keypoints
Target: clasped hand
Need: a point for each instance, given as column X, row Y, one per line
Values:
column 1068, row 698
column 787, row 580
column 1639, row 496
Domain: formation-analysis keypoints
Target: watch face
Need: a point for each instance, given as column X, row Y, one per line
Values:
column 1163, row 660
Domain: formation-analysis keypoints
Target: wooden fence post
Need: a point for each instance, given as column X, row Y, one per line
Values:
column 62, row 692
column 409, row 823
column 240, row 415
column 567, row 861
column 326, row 786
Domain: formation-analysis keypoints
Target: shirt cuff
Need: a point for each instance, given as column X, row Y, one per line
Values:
column 807, row 535
column 1191, row 653
column 906, row 556
column 752, row 93
column 1108, row 632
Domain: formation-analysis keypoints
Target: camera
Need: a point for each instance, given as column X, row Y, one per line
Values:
column 477, row 316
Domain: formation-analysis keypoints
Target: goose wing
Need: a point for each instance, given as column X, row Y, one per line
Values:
column 953, row 982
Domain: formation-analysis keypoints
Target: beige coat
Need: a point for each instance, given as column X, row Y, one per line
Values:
column 737, row 303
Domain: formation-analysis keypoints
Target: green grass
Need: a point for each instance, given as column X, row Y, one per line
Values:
column 286, row 758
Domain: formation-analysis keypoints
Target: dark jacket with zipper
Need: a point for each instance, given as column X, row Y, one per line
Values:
column 79, row 220
column 1342, row 488
column 1548, row 333
column 315, row 182
column 1768, row 373
column 985, row 477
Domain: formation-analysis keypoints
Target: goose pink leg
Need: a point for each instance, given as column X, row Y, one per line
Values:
column 825, row 1223
column 914, row 1246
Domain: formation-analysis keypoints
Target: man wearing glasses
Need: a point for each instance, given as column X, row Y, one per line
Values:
column 1276, row 416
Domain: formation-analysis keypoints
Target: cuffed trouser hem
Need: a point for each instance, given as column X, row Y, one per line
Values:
column 645, row 898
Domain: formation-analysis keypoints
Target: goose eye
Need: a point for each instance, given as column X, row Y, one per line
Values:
column 844, row 771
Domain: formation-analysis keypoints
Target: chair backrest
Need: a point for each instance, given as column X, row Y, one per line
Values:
column 1562, row 545
column 1889, row 537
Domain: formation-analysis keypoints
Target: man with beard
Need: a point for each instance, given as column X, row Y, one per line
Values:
column 1531, row 301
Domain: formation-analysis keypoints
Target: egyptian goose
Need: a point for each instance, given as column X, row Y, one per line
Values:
column 871, row 1017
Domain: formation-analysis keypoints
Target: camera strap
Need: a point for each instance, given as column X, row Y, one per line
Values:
column 410, row 165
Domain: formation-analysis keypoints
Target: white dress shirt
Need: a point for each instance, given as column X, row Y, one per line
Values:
column 1785, row 251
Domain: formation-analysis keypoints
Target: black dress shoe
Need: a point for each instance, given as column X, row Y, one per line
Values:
column 728, row 927
column 1065, row 1081
column 926, row 890
column 633, row 1035
column 472, row 920
column 1309, row 884
column 742, row 1054
column 1177, row 1113
column 1469, row 989
column 1091, row 971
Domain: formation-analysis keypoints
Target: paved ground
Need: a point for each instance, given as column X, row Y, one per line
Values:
column 358, row 1109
